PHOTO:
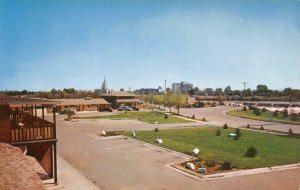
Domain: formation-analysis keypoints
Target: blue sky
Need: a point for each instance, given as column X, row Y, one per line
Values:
column 59, row 43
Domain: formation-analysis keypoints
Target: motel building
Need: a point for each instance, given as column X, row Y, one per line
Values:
column 84, row 104
column 119, row 98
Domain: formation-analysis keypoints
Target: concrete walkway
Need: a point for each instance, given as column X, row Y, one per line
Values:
column 71, row 179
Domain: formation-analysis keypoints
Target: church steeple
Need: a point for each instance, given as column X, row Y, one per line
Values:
column 104, row 87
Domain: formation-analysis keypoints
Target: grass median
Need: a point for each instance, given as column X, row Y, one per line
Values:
column 272, row 149
column 265, row 116
column 148, row 117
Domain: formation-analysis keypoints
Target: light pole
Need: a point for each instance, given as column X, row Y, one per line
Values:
column 244, row 83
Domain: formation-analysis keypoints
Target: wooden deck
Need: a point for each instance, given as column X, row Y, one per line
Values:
column 24, row 127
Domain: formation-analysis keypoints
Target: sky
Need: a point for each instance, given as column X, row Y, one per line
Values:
column 140, row 43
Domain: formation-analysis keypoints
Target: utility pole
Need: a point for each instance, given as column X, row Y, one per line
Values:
column 244, row 83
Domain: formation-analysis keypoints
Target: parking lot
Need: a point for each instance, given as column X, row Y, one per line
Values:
column 118, row 163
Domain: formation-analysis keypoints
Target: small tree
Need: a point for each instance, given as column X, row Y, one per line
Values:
column 285, row 113
column 290, row 133
column 225, row 126
column 248, row 126
column 244, row 108
column 275, row 113
column 193, row 117
column 203, row 119
column 238, row 132
column 156, row 130
column 218, row 133
column 251, row 152
column 264, row 110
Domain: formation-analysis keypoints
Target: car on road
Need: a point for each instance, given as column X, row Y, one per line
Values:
column 125, row 108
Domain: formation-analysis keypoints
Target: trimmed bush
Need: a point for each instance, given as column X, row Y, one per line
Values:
column 262, row 128
column 193, row 117
column 248, row 126
column 256, row 111
column 290, row 133
column 251, row 152
column 244, row 108
column 156, row 130
column 166, row 116
column 238, row 132
column 218, row 133
column 236, row 137
column 226, row 165
column 225, row 126
column 251, row 107
column 209, row 163
column 203, row 119
column 275, row 113
column 264, row 110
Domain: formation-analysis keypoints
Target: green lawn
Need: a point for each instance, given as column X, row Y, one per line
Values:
column 272, row 149
column 265, row 116
column 148, row 117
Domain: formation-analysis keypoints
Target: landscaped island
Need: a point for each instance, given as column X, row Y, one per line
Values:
column 264, row 116
column 272, row 149
column 144, row 116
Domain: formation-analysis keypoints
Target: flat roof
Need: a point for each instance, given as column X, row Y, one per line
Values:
column 128, row 100
column 82, row 101
column 118, row 94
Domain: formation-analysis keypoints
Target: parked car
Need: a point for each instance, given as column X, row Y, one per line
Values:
column 109, row 109
column 135, row 108
column 125, row 108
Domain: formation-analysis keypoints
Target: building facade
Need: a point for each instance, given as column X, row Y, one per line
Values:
column 183, row 87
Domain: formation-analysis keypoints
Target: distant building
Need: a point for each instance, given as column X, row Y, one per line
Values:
column 104, row 88
column 118, row 98
column 176, row 87
column 183, row 87
column 158, row 90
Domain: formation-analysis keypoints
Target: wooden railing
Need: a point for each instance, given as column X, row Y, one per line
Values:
column 32, row 133
column 22, row 127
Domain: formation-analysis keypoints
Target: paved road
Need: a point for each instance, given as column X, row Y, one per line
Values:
column 116, row 163
column 218, row 114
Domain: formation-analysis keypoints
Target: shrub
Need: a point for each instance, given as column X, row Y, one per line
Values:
column 275, row 113
column 236, row 137
column 218, row 133
column 225, row 126
column 248, row 126
column 256, row 111
column 166, row 116
column 285, row 113
column 238, row 132
column 209, row 163
column 251, row 152
column 290, row 133
column 264, row 110
column 251, row 107
column 261, row 127
column 244, row 108
column 294, row 117
column 193, row 117
column 203, row 119
column 226, row 165
column 156, row 130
